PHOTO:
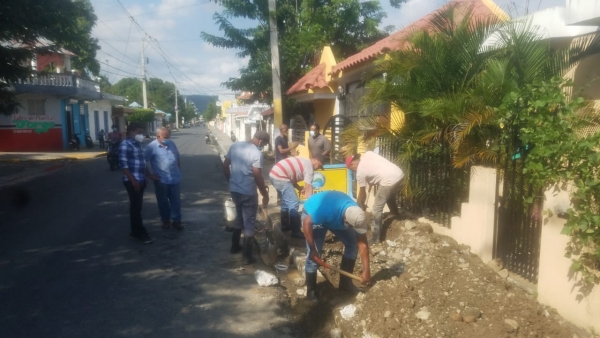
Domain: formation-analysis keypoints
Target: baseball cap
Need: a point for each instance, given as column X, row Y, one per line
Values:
column 263, row 136
column 355, row 216
column 348, row 161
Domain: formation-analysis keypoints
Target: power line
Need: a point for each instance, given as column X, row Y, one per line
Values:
column 118, row 69
column 164, row 10
column 119, row 59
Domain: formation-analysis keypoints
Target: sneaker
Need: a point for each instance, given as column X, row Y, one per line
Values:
column 166, row 224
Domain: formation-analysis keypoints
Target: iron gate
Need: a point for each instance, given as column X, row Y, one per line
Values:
column 436, row 189
column 518, row 228
column 333, row 130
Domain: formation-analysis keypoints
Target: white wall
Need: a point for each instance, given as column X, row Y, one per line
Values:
column 580, row 11
column 100, row 106
column 557, row 286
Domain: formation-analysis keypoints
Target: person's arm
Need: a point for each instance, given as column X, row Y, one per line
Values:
column 150, row 172
column 326, row 147
column 362, row 198
column 307, row 229
column 287, row 150
column 309, row 174
column 226, row 169
column 260, row 183
column 123, row 163
column 363, row 248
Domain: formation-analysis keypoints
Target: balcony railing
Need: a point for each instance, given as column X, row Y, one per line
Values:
column 61, row 80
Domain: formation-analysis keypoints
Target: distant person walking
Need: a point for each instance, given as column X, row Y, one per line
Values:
column 164, row 168
column 131, row 161
column 374, row 170
column 242, row 168
column 101, row 135
column 319, row 146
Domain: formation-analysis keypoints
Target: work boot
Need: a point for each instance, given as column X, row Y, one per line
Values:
column 248, row 242
column 296, row 225
column 311, row 286
column 375, row 236
column 346, row 282
column 235, row 241
column 285, row 220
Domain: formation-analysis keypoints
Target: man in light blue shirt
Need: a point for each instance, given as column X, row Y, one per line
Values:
column 242, row 168
column 162, row 157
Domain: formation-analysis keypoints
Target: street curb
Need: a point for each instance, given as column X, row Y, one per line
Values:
column 72, row 157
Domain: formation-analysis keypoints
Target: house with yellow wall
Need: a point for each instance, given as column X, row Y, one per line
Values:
column 336, row 90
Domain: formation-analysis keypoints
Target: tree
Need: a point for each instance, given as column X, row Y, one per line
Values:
column 304, row 27
column 161, row 94
column 66, row 23
column 211, row 111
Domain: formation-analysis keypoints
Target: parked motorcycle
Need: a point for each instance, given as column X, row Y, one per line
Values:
column 207, row 138
column 74, row 142
column 89, row 143
column 112, row 154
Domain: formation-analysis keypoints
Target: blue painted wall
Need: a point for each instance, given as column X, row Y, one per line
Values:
column 63, row 122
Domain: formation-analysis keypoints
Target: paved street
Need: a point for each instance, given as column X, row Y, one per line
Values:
column 68, row 268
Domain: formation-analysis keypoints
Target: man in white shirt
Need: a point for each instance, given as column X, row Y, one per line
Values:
column 374, row 170
column 242, row 168
column 285, row 176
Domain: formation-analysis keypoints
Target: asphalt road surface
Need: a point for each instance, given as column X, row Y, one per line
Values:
column 68, row 268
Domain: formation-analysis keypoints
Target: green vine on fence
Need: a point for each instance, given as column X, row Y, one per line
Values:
column 558, row 137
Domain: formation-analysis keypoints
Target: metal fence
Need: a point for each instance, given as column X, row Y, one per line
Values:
column 518, row 222
column 436, row 189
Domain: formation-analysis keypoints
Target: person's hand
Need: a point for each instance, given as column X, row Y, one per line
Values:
column 154, row 177
column 136, row 186
column 366, row 277
column 265, row 200
column 295, row 144
column 314, row 255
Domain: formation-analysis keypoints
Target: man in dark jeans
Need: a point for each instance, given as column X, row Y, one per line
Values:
column 131, row 161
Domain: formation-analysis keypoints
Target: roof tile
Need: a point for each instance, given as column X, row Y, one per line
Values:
column 316, row 78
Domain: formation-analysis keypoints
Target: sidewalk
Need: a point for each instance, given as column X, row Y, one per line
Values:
column 24, row 157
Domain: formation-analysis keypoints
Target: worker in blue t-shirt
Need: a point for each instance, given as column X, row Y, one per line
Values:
column 336, row 212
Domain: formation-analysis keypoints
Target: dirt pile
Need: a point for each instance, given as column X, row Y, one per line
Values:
column 428, row 286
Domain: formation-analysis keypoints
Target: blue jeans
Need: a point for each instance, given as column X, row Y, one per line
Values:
column 169, row 201
column 289, row 199
column 347, row 236
column 246, row 207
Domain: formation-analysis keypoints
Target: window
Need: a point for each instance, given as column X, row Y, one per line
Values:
column 36, row 107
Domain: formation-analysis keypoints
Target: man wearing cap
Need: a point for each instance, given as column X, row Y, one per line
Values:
column 336, row 212
column 375, row 170
column 242, row 168
column 285, row 176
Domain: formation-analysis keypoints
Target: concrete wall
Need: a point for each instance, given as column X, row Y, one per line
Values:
column 27, row 132
column 101, row 107
column 558, row 286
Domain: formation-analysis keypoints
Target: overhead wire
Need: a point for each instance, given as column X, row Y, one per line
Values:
column 161, row 11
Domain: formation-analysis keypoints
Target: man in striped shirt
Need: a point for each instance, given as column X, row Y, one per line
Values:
column 285, row 176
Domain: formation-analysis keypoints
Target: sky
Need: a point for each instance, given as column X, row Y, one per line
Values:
column 196, row 66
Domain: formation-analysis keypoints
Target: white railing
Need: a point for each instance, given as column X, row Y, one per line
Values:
column 61, row 80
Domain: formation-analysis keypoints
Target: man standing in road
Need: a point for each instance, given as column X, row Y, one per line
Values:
column 282, row 149
column 164, row 168
column 374, row 170
column 242, row 168
column 336, row 212
column 318, row 145
column 115, row 135
column 285, row 176
column 131, row 161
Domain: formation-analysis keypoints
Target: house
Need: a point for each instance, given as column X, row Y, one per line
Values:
column 245, row 120
column 55, row 105
column 332, row 91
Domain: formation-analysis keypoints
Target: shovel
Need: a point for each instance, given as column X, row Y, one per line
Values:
column 341, row 272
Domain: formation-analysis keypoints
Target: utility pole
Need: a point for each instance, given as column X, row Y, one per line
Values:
column 176, row 109
column 144, row 78
column 275, row 68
